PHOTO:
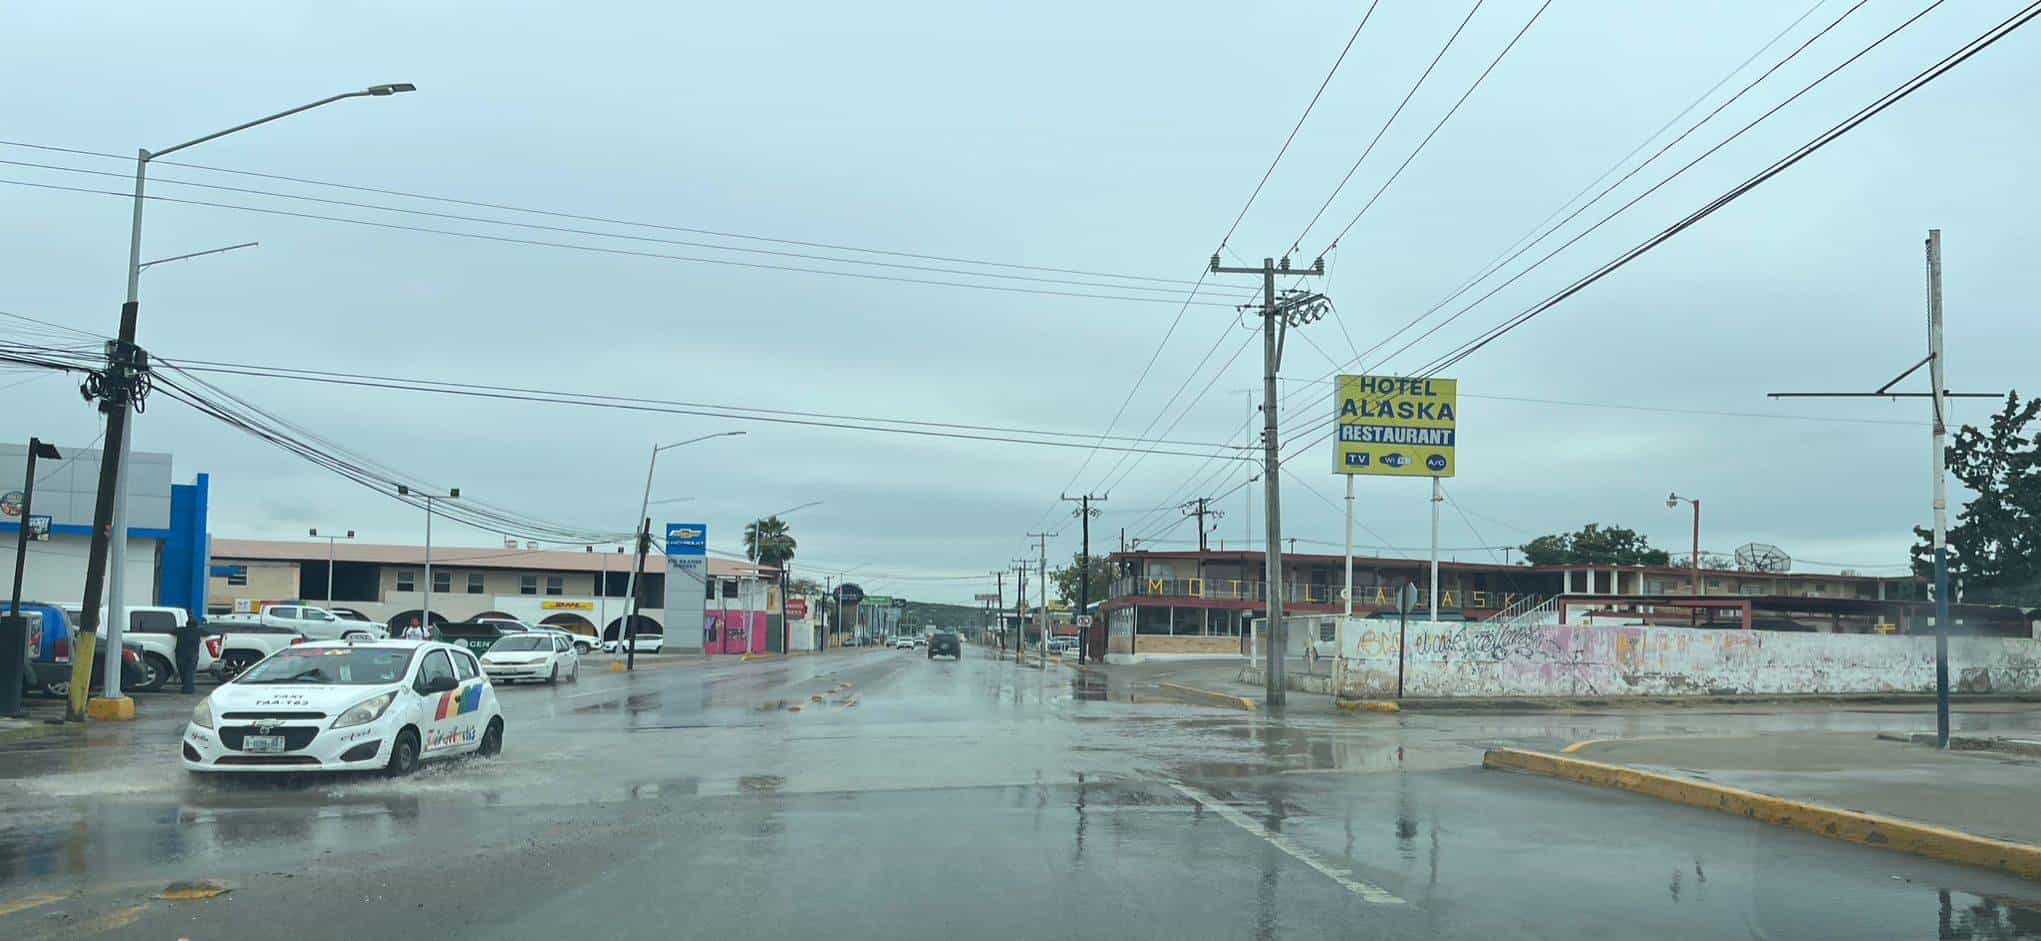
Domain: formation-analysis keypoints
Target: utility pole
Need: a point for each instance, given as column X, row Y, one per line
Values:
column 1938, row 392
column 1938, row 438
column 629, row 635
column 999, row 605
column 1201, row 508
column 1295, row 310
column 1085, row 513
column 1042, row 623
column 1020, row 609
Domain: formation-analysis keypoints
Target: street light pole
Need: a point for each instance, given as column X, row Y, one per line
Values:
column 14, row 626
column 758, row 551
column 425, row 611
column 1672, row 500
column 640, row 529
column 331, row 539
column 123, row 383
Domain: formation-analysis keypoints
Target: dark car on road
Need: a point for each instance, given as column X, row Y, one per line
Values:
column 944, row 645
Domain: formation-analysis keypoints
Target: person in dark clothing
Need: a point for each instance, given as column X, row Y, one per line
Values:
column 189, row 636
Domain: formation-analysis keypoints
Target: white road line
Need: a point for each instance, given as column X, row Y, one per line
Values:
column 1368, row 893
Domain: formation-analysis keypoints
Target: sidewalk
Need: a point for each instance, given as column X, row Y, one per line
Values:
column 1985, row 793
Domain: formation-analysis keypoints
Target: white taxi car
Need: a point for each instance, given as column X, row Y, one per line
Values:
column 347, row 705
column 537, row 655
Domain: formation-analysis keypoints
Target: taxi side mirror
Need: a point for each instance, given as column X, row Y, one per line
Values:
column 440, row 684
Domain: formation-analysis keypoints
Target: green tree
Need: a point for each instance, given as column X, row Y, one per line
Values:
column 767, row 541
column 1594, row 545
column 1995, row 543
column 1068, row 583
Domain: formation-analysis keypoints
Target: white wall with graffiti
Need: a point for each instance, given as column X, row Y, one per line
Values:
column 1474, row 659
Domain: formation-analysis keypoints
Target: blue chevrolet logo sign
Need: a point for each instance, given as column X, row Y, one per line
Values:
column 688, row 539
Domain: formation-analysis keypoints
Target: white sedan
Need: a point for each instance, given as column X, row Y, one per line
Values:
column 642, row 643
column 344, row 706
column 539, row 655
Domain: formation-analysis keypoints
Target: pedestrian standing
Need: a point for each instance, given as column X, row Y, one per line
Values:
column 189, row 635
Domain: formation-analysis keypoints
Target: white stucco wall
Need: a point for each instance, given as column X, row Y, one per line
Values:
column 1480, row 660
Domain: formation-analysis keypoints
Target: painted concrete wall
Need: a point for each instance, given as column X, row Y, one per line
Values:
column 1474, row 659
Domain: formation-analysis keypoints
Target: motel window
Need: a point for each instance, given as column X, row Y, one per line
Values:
column 556, row 585
column 527, row 584
column 443, row 582
column 407, row 580
column 474, row 583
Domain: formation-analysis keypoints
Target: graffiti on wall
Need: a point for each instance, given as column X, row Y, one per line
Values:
column 1474, row 659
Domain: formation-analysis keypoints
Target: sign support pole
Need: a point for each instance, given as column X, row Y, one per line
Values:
column 1435, row 549
column 1347, row 595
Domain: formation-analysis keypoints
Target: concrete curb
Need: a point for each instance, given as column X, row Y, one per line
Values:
column 36, row 728
column 1905, row 836
column 1208, row 697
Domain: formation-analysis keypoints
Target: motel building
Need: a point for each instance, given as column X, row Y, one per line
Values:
column 577, row 591
column 1190, row 603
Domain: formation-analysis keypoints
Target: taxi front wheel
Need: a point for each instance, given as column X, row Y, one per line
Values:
column 492, row 740
column 404, row 754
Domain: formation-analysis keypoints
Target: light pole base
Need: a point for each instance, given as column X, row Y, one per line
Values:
column 104, row 709
column 616, row 666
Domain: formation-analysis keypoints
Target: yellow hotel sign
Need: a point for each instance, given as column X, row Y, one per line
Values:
column 1393, row 426
column 566, row 605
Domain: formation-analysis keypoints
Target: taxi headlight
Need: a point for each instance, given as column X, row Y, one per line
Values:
column 366, row 711
column 202, row 714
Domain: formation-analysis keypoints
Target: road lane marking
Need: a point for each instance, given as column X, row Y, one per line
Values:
column 20, row 905
column 1232, row 815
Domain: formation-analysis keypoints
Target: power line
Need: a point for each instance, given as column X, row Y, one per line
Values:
column 1890, row 98
column 1442, row 123
column 514, row 394
column 1877, row 106
column 776, row 253
column 1633, row 172
column 1535, row 235
column 1313, row 103
column 603, row 219
column 609, row 250
column 1384, row 129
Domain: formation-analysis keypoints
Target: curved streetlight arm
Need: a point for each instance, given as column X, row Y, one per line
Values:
column 373, row 90
column 209, row 251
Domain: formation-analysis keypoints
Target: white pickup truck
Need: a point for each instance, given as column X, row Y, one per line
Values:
column 245, row 639
column 154, row 629
column 313, row 622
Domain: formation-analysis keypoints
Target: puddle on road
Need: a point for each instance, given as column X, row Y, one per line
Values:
column 1961, row 916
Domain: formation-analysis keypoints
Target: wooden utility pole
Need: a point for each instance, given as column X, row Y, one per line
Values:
column 1201, row 508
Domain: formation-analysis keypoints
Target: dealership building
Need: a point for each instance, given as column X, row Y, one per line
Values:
column 166, row 527
column 584, row 592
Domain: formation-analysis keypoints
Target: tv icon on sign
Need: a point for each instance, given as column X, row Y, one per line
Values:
column 1357, row 459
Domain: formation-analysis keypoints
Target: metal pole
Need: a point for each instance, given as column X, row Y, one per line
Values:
column 1272, row 552
column 1694, row 615
column 1936, row 376
column 629, row 635
column 631, row 582
column 1042, row 576
column 1247, row 491
column 330, row 540
column 1084, row 651
column 425, row 615
column 116, row 619
column 1435, row 551
column 602, row 599
column 1339, row 633
column 14, row 632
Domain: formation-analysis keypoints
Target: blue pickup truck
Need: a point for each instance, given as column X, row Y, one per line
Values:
column 49, row 652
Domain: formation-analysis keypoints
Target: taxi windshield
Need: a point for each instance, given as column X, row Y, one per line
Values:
column 331, row 666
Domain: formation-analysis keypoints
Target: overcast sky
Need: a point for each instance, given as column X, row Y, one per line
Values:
column 1120, row 138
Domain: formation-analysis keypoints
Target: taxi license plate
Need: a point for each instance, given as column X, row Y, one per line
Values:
column 263, row 744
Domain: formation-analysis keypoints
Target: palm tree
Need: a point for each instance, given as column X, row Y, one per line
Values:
column 767, row 542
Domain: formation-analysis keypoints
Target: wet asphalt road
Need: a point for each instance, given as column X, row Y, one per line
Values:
column 909, row 799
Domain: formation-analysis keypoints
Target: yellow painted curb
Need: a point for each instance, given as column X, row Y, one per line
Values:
column 102, row 709
column 1577, row 746
column 1367, row 705
column 1209, row 697
column 1906, row 836
column 616, row 666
